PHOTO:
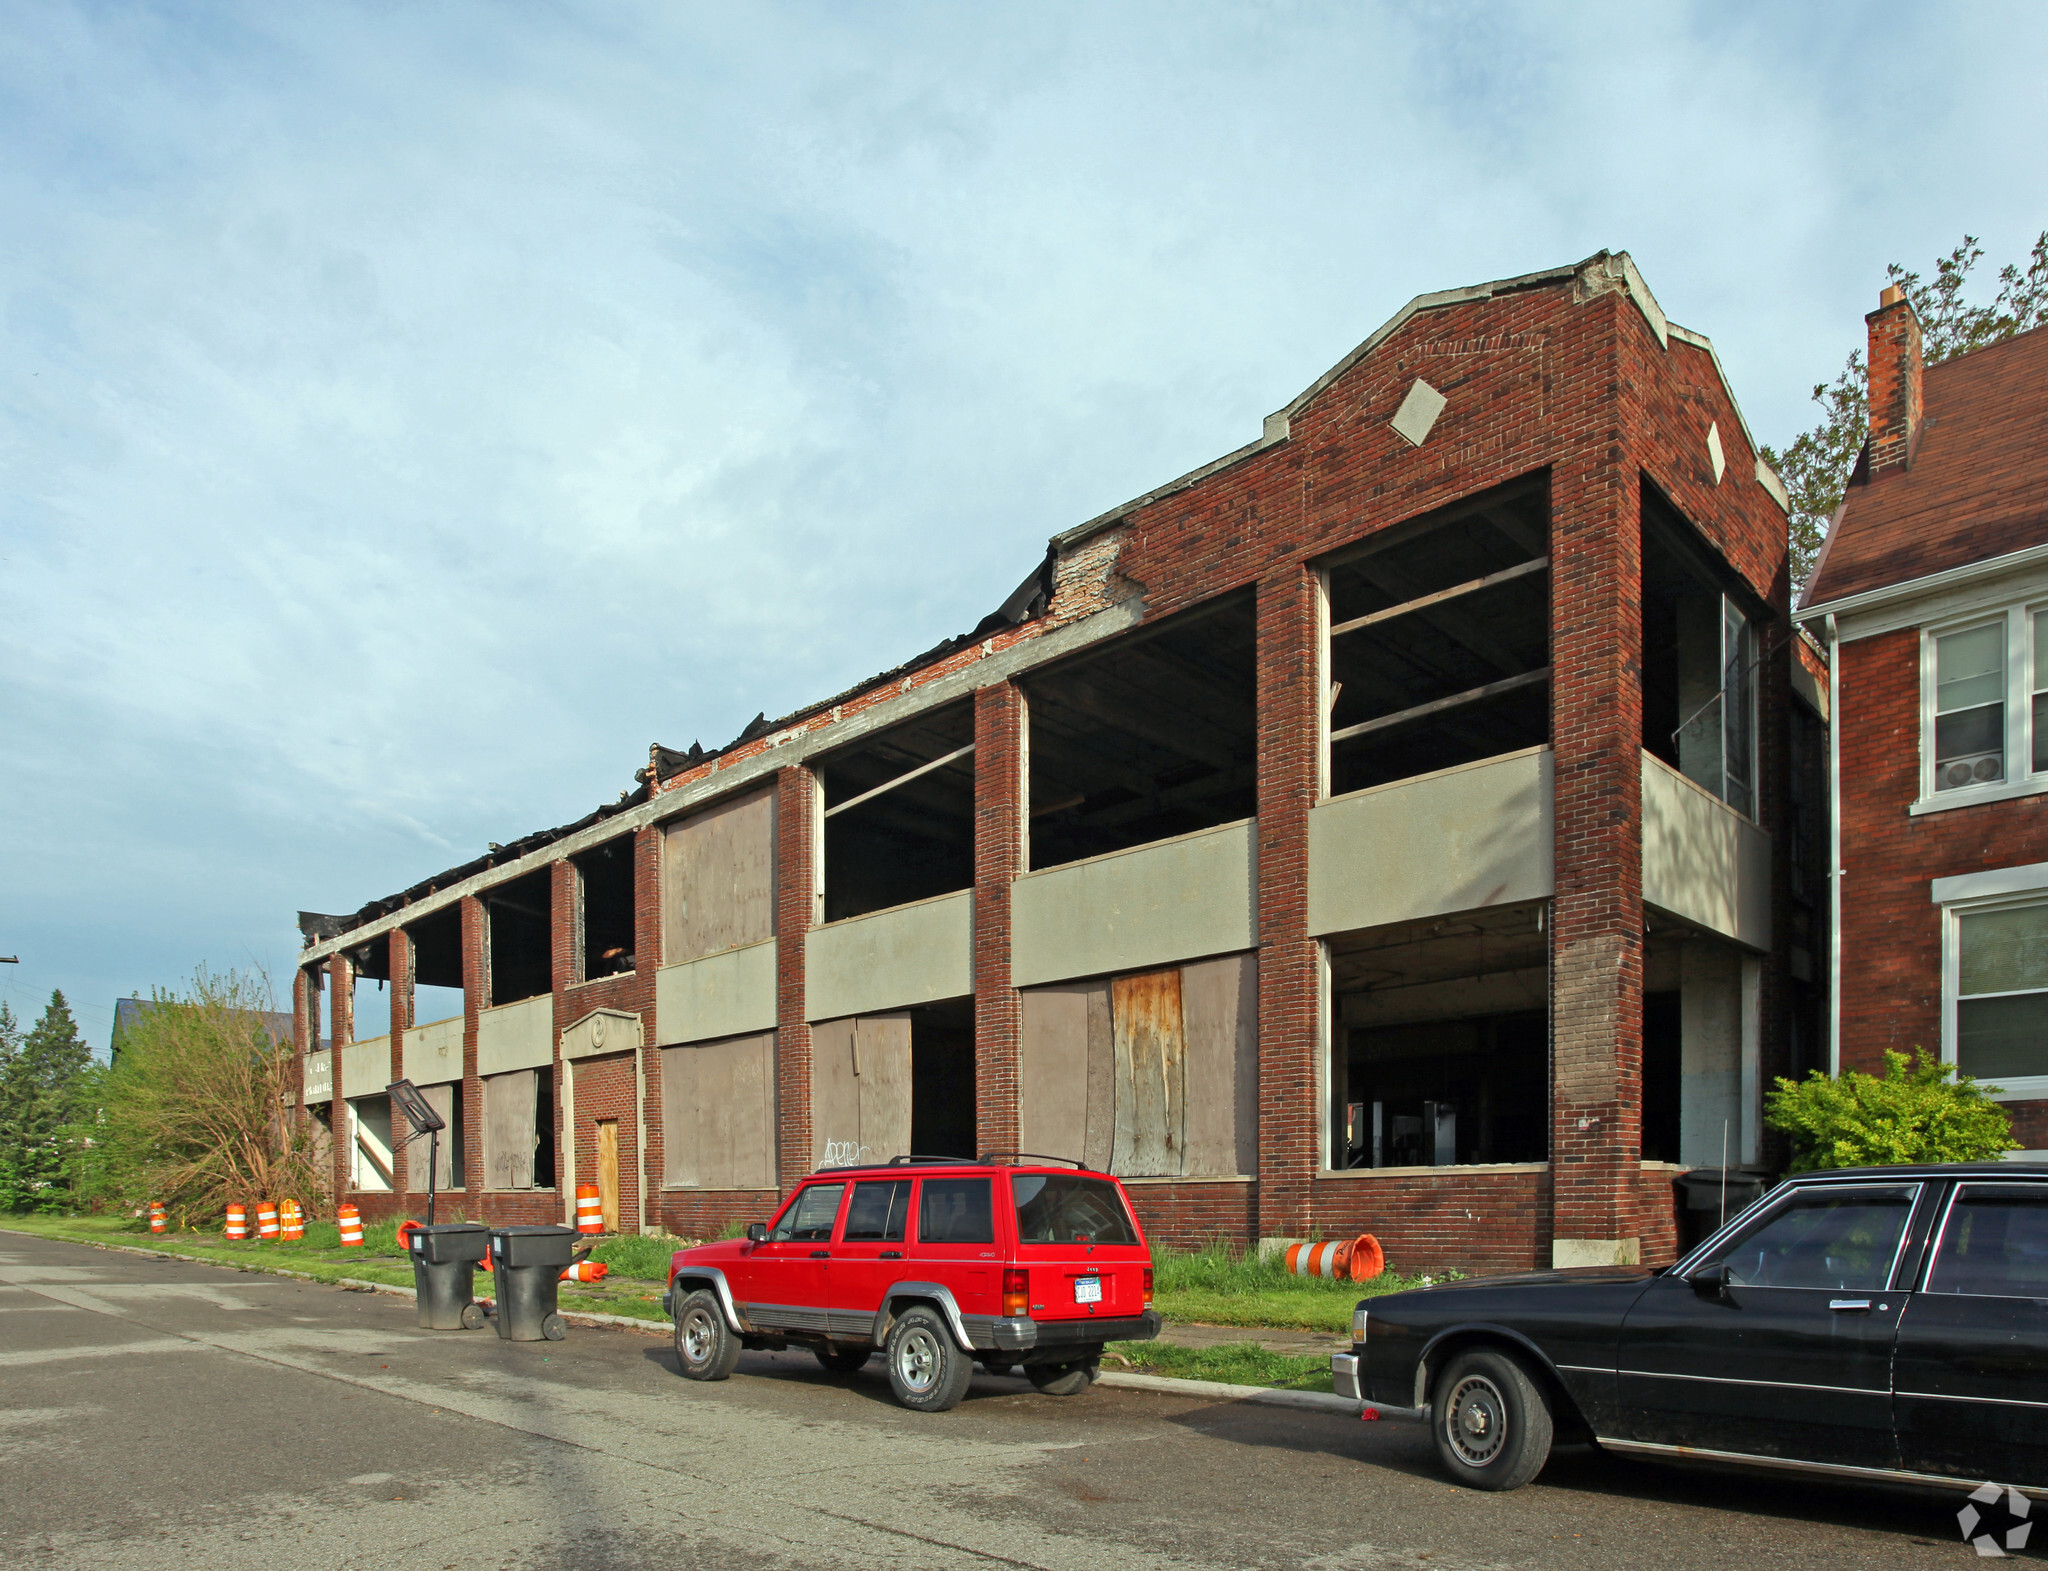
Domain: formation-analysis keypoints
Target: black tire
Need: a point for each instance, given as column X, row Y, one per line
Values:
column 1491, row 1420
column 473, row 1317
column 1064, row 1379
column 927, row 1370
column 844, row 1361
column 554, row 1328
column 706, row 1349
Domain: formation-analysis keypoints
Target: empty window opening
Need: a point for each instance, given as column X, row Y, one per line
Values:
column 518, row 938
column 320, row 1124
column 371, row 1167
column 1699, row 660
column 519, row 1130
column 1697, row 1014
column 942, row 1079
column 436, row 990
column 899, row 814
column 315, row 998
column 370, row 1003
column 1439, row 640
column 1151, row 735
column 605, row 906
column 1440, row 1042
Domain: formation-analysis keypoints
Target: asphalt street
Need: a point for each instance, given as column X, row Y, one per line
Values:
column 157, row 1413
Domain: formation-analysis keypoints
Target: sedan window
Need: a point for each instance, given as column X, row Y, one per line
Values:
column 809, row 1220
column 1840, row 1239
column 1994, row 1244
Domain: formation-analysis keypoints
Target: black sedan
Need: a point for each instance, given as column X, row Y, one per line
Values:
column 1880, row 1323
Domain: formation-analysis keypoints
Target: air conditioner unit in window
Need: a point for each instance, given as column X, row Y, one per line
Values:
column 1976, row 769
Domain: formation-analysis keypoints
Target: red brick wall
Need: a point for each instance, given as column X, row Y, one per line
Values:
column 998, row 858
column 1475, row 1222
column 1188, row 1216
column 705, row 1213
column 796, row 909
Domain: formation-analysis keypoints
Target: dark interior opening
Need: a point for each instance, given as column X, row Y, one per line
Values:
column 889, row 839
column 1662, row 1068
column 1699, row 653
column 436, row 966
column 519, row 939
column 544, row 1126
column 1440, row 640
column 1151, row 735
column 604, row 882
column 942, row 1079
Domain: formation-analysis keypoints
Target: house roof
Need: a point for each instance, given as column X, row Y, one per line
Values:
column 1977, row 486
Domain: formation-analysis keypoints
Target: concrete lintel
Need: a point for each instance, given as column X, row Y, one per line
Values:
column 1567, row 1253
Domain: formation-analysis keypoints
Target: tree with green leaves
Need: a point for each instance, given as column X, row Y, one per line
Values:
column 1815, row 468
column 40, row 1073
column 1920, row 1110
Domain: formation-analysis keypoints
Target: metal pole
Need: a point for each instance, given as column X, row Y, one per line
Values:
column 433, row 1169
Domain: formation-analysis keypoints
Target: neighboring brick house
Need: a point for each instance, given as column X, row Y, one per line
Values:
column 1385, row 826
column 1933, row 590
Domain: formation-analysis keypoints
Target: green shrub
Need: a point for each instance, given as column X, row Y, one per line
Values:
column 632, row 1254
column 1915, row 1113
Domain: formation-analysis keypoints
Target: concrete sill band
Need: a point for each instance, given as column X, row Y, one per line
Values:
column 1213, row 1390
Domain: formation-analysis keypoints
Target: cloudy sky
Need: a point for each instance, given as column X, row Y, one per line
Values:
column 409, row 412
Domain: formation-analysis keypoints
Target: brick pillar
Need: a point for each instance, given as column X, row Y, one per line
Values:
column 475, row 984
column 1001, row 790
column 340, row 1032
column 563, row 964
column 646, row 962
column 1596, row 915
column 1290, row 1023
column 398, row 964
column 796, row 910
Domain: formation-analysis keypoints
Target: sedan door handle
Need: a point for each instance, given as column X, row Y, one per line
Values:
column 1850, row 1305
column 890, row 1254
column 826, row 1254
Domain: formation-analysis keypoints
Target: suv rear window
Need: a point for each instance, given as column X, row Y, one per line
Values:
column 955, row 1211
column 1065, row 1208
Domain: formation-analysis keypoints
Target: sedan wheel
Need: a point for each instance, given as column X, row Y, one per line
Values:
column 1491, row 1420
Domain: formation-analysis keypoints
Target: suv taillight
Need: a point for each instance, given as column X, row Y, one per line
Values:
column 1148, row 1287
column 1016, row 1291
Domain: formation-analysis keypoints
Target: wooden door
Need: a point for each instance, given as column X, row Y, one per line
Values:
column 608, row 1171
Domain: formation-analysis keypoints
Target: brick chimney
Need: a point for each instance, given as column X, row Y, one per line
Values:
column 1894, row 381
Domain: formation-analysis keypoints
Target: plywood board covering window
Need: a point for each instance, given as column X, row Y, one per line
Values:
column 718, row 878
column 860, row 1089
column 511, row 1131
column 1150, row 1075
column 447, row 1101
column 718, row 1114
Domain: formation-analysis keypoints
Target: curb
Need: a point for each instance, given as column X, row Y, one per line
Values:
column 1216, row 1390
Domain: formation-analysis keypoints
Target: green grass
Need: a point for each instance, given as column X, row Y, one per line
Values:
column 1229, row 1363
column 1222, row 1286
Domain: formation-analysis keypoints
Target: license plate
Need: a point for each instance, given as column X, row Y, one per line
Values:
column 1087, row 1289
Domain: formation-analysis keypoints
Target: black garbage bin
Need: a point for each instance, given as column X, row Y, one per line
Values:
column 528, row 1263
column 1700, row 1199
column 444, row 1259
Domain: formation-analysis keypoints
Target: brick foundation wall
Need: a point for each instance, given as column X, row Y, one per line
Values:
column 1191, row 1215
column 705, row 1213
column 1475, row 1222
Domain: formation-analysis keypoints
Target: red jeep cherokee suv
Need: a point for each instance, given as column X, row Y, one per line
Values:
column 939, row 1263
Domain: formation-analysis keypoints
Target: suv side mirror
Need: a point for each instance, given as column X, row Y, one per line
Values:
column 1710, row 1281
column 757, row 1232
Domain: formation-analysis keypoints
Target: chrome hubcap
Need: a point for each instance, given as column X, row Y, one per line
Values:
column 1476, row 1423
column 698, row 1336
column 917, row 1360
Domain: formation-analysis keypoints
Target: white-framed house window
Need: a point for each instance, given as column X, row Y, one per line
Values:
column 1984, row 709
column 1994, row 966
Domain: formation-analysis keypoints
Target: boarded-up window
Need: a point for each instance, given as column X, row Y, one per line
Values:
column 718, row 878
column 447, row 1101
column 860, row 1090
column 718, row 1114
column 511, row 1129
column 1154, row 1075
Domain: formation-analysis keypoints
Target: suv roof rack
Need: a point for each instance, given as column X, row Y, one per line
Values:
column 899, row 1161
column 993, row 1157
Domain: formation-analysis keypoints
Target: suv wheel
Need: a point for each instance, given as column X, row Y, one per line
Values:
column 843, row 1361
column 705, row 1346
column 1491, row 1420
column 1064, row 1379
column 928, row 1373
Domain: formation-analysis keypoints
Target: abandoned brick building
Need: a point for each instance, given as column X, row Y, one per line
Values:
column 1384, row 827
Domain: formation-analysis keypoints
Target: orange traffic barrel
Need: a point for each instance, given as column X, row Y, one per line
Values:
column 405, row 1231
column 586, row 1271
column 157, row 1220
column 266, row 1222
column 351, row 1221
column 589, row 1209
column 1360, row 1259
column 238, row 1220
column 291, row 1220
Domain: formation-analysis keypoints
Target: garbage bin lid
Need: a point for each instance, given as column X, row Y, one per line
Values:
column 536, row 1232
column 451, row 1227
